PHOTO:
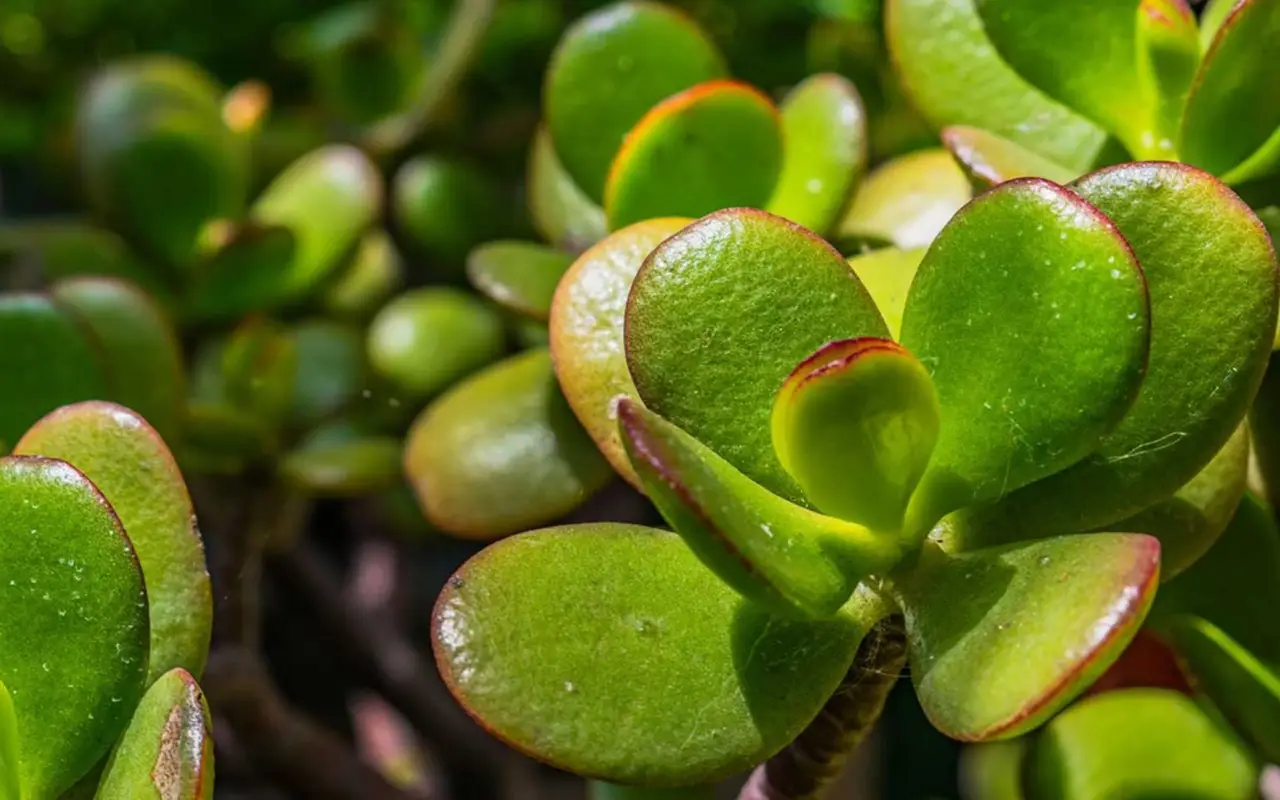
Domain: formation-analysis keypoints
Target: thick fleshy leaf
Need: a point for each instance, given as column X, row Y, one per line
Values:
column 427, row 338
column 75, row 621
column 610, row 651
column 954, row 76
column 721, row 313
column 1036, row 342
column 1046, row 42
column 1201, row 375
column 609, row 69
column 445, row 208
column 519, row 276
column 778, row 554
column 1215, row 13
column 720, row 142
column 824, row 128
column 1169, row 41
column 139, row 346
column 331, row 370
column 345, row 468
column 10, row 762
column 502, row 452
column 1235, row 84
column 374, row 273
column 1139, row 743
column 855, row 424
column 327, row 198
column 1000, row 639
column 887, row 273
column 129, row 463
column 993, row 770
column 67, row 248
column 167, row 750
column 906, row 201
column 586, row 331
column 1245, row 690
column 47, row 360
column 561, row 212
column 157, row 158
column 1236, row 585
column 242, row 270
column 259, row 369
column 989, row 159
column 1190, row 522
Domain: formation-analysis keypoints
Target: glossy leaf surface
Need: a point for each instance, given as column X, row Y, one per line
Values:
column 719, row 142
column 130, row 464
column 502, row 452
column 1201, row 374
column 721, row 313
column 609, row 69
column 166, row 753
column 1245, row 690
column 75, row 625
column 519, row 276
column 139, row 346
column 1139, row 743
column 561, row 212
column 989, row 159
column 586, row 330
column 611, row 651
column 855, row 424
column 955, row 77
column 1000, row 639
column 47, row 361
column 824, row 131
column 1236, row 83
column 1045, row 43
column 1036, row 343
column 907, row 201
column 427, row 338
column 887, row 273
column 776, row 553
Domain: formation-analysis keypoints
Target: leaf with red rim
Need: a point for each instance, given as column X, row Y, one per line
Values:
column 906, row 201
column 855, row 424
column 721, row 313
column 610, row 651
column 955, row 77
column 167, row 750
column 715, row 145
column 1036, row 343
column 824, row 134
column 778, row 554
column 1182, row 223
column 1236, row 84
column 586, row 331
column 1001, row 639
column 609, row 68
column 989, row 159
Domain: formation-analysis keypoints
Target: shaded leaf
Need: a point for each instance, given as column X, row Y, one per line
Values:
column 611, row 651
column 519, row 276
column 989, row 159
column 993, row 770
column 445, row 208
column 242, row 270
column 331, row 369
column 907, row 201
column 129, row 463
column 345, row 468
column 561, row 212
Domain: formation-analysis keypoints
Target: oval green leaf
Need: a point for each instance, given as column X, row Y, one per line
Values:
column 1001, row 639
column 721, row 313
column 502, row 452
column 374, row 273
column 778, row 554
column 586, row 331
column 166, row 753
column 560, row 211
column 331, row 369
column 242, row 269
column 129, row 463
column 954, row 77
column 715, row 145
column 345, row 468
column 887, row 273
column 990, row 159
column 566, row 644
column 906, row 201
column 445, row 208
column 519, row 276
column 75, row 622
column 609, row 69
column 1036, row 342
column 824, row 134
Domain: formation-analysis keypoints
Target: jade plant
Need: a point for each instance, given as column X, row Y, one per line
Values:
column 981, row 456
column 108, row 611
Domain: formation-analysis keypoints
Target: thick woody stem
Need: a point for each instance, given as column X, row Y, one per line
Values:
column 807, row 766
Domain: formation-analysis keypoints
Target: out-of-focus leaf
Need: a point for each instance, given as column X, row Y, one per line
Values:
column 351, row 467
column 887, row 273
column 561, row 212
column 71, row 248
column 993, row 770
column 989, row 159
column 446, row 208
column 519, row 276
column 906, row 201
column 373, row 274
column 331, row 369
column 242, row 271
column 260, row 369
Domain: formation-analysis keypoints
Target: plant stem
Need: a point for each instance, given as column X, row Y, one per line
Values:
column 288, row 747
column 804, row 769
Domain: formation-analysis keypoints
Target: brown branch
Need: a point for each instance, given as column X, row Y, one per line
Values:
column 286, row 746
column 805, row 768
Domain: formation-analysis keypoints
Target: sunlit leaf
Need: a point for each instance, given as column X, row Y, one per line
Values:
column 906, row 201
column 989, row 159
